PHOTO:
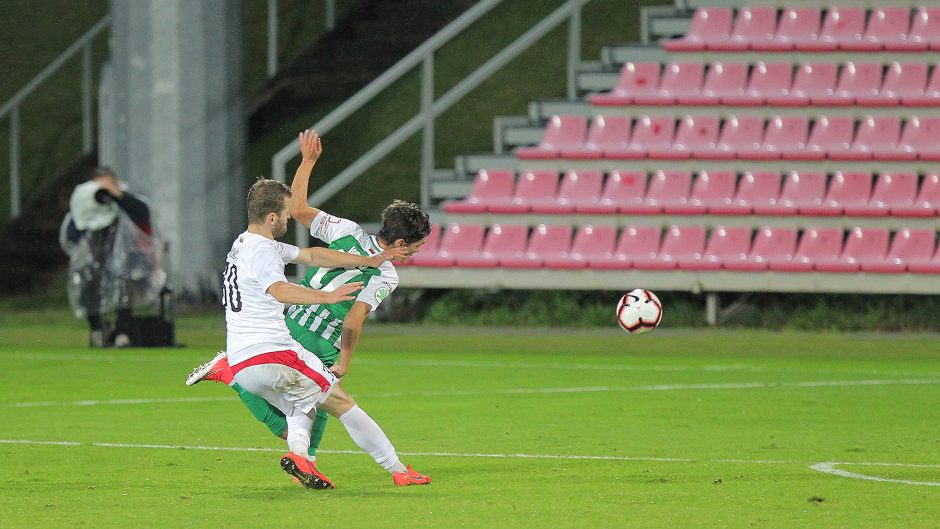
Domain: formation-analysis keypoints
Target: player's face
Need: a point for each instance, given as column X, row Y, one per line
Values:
column 280, row 223
column 415, row 247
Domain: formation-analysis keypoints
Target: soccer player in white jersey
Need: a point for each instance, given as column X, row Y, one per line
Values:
column 266, row 361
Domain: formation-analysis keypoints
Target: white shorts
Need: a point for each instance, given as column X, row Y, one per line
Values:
column 294, row 381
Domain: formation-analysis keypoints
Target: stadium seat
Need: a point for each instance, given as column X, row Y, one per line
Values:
column 725, row 245
column 608, row 134
column 812, row 80
column 591, row 243
column 711, row 188
column 857, row 80
column 768, row 80
column 534, row 188
column 903, row 80
column 636, row 78
column 752, row 26
column 636, row 243
column 759, row 189
column 680, row 244
column 740, row 137
column 797, row 25
column 428, row 249
column 908, row 248
column 695, row 133
column 723, row 80
column 864, row 245
column 709, row 25
column 817, row 245
column 623, row 193
column 784, row 135
column 771, row 245
column 544, row 242
column 490, row 187
column 881, row 133
column 926, row 27
column 679, row 80
column 578, row 188
column 846, row 190
column 888, row 28
column 649, row 133
column 560, row 132
column 800, row 190
column 931, row 95
column 927, row 202
column 920, row 139
column 930, row 267
column 502, row 241
column 459, row 241
column 666, row 189
column 829, row 135
column 892, row 190
column 841, row 24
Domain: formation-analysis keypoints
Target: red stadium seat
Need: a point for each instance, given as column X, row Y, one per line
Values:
column 800, row 190
column 798, row 25
column 723, row 80
column 740, row 137
column 679, row 80
column 817, row 245
column 460, row 241
column 753, row 26
column 428, row 249
column 847, row 190
column 857, row 80
column 545, row 242
column 709, row 25
column 636, row 78
column 888, row 28
column 771, row 245
column 812, row 80
column 908, row 248
column 759, row 190
column 892, row 190
column 591, row 243
column 666, row 189
column 930, row 267
column 578, row 188
column 636, row 243
column 926, row 27
column 841, row 24
column 490, row 187
column 561, row 132
column 623, row 191
column 931, row 95
column 726, row 245
column 711, row 188
column 903, row 80
column 768, row 80
column 502, row 241
column 607, row 134
column 829, row 135
column 534, row 188
column 927, row 202
column 864, row 245
column 874, row 133
column 784, row 135
column 694, row 133
column 920, row 139
column 649, row 133
column 684, row 244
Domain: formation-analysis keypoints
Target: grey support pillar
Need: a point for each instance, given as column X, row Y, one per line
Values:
column 172, row 125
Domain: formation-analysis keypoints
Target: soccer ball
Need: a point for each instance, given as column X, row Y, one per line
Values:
column 639, row 311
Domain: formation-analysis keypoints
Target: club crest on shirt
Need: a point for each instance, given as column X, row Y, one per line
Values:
column 382, row 293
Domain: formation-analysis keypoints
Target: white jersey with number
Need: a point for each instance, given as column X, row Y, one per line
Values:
column 254, row 320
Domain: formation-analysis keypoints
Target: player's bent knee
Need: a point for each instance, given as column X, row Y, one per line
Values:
column 338, row 403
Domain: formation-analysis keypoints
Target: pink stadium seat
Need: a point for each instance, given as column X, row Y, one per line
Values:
column 502, row 241
column 800, row 190
column 798, row 25
column 636, row 244
column 709, row 25
column 768, row 80
column 607, row 133
column 679, row 80
column 490, row 187
column 636, row 78
column 842, row 25
column 771, row 245
column 591, row 243
column 903, row 80
column 726, row 245
column 428, row 249
column 723, row 80
column 759, row 189
column 666, row 189
column 545, row 241
column 847, row 189
column 740, row 137
column 927, row 201
column 930, row 267
column 535, row 188
column 711, row 188
column 623, row 192
column 891, row 190
column 908, row 248
column 864, row 245
column 694, row 133
column 926, row 27
column 752, row 26
column 931, row 95
column 817, row 245
column 888, row 28
column 561, row 132
column 784, row 135
column 578, row 188
column 812, row 80
column 684, row 244
column 874, row 133
column 649, row 133
column 829, row 135
column 857, row 80
column 920, row 139
column 458, row 242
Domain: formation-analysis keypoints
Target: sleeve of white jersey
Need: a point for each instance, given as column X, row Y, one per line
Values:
column 288, row 252
column 376, row 291
column 267, row 267
column 328, row 228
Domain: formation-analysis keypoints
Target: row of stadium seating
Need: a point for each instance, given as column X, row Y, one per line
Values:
column 682, row 247
column 742, row 137
column 774, row 84
column 712, row 192
column 805, row 29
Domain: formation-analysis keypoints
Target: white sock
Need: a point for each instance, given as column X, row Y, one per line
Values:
column 369, row 436
column 298, row 434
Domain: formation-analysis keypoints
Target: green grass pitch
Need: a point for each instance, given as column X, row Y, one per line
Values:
column 518, row 428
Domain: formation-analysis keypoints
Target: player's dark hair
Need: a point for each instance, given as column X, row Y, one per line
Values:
column 404, row 220
column 266, row 196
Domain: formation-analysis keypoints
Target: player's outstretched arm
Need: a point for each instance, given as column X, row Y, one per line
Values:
column 310, row 150
column 300, row 295
column 352, row 328
column 332, row 259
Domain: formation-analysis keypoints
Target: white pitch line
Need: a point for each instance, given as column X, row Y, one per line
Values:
column 114, row 402
column 830, row 468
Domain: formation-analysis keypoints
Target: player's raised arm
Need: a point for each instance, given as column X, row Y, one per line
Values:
column 324, row 257
column 310, row 150
column 290, row 293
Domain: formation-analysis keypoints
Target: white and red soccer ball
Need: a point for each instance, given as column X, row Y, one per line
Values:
column 639, row 311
